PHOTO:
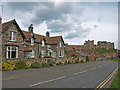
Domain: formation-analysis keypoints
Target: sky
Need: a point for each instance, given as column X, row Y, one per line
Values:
column 75, row 21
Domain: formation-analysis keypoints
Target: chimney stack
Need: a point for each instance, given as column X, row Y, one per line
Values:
column 47, row 34
column 30, row 28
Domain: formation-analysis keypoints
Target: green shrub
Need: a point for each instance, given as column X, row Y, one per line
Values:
column 45, row 64
column 77, row 61
column 57, row 63
column 21, row 65
column 47, row 56
column 36, row 65
column 81, row 61
column 60, row 63
column 65, row 63
column 51, row 62
column 40, row 55
column 74, row 56
column 69, row 62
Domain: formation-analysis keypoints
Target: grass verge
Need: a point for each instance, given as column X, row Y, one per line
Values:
column 116, row 81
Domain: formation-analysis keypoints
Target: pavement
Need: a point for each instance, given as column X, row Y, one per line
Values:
column 82, row 75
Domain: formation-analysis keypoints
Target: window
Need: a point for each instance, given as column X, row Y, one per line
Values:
column 48, row 46
column 43, row 43
column 12, row 52
column 61, row 53
column 49, row 53
column 29, row 54
column 12, row 36
column 32, row 54
column 42, row 53
column 60, row 44
column 32, row 41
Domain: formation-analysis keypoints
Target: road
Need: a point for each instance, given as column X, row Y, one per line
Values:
column 83, row 75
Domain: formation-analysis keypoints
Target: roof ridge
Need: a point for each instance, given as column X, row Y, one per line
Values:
column 55, row 36
column 34, row 33
column 8, row 21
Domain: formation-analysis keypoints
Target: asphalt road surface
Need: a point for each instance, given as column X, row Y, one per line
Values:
column 83, row 75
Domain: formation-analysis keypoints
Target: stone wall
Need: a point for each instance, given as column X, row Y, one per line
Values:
column 105, row 44
column 35, row 48
column 19, row 40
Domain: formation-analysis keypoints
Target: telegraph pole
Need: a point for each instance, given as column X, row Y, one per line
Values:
column 1, row 10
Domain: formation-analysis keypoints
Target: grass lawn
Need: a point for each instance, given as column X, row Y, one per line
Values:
column 116, row 81
column 114, row 60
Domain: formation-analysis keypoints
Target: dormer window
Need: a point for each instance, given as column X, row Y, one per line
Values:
column 43, row 44
column 12, row 36
column 32, row 41
column 60, row 44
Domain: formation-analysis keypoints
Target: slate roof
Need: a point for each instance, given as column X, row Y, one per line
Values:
column 5, row 24
column 38, row 37
column 53, row 50
column 27, row 49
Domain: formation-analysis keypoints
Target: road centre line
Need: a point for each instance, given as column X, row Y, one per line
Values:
column 57, row 78
column 106, row 80
column 31, row 74
column 80, row 72
column 93, row 68
column 47, row 81
column 89, row 69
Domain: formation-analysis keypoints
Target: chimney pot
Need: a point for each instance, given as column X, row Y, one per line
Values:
column 47, row 34
column 30, row 28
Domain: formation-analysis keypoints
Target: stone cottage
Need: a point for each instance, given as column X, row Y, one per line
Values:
column 20, row 44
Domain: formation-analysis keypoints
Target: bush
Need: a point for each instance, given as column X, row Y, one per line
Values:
column 45, row 64
column 62, row 63
column 81, row 61
column 57, row 63
column 7, row 65
column 51, row 62
column 65, row 63
column 36, row 65
column 69, row 62
column 74, row 56
column 21, row 65
column 47, row 56
column 77, row 61
column 40, row 55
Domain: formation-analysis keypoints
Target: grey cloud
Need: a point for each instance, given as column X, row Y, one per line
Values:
column 52, row 12
column 64, row 15
column 24, row 6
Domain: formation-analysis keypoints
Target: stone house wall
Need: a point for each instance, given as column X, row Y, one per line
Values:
column 35, row 48
column 19, row 40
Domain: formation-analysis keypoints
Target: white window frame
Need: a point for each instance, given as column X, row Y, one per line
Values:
column 11, row 52
column 60, row 44
column 43, row 43
column 48, row 46
column 61, row 53
column 32, row 41
column 32, row 54
column 43, row 53
column 11, row 38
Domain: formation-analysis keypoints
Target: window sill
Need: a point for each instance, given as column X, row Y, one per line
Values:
column 61, row 56
column 12, row 41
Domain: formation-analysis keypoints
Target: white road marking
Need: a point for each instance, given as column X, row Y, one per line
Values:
column 93, row 69
column 80, row 72
column 47, row 81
